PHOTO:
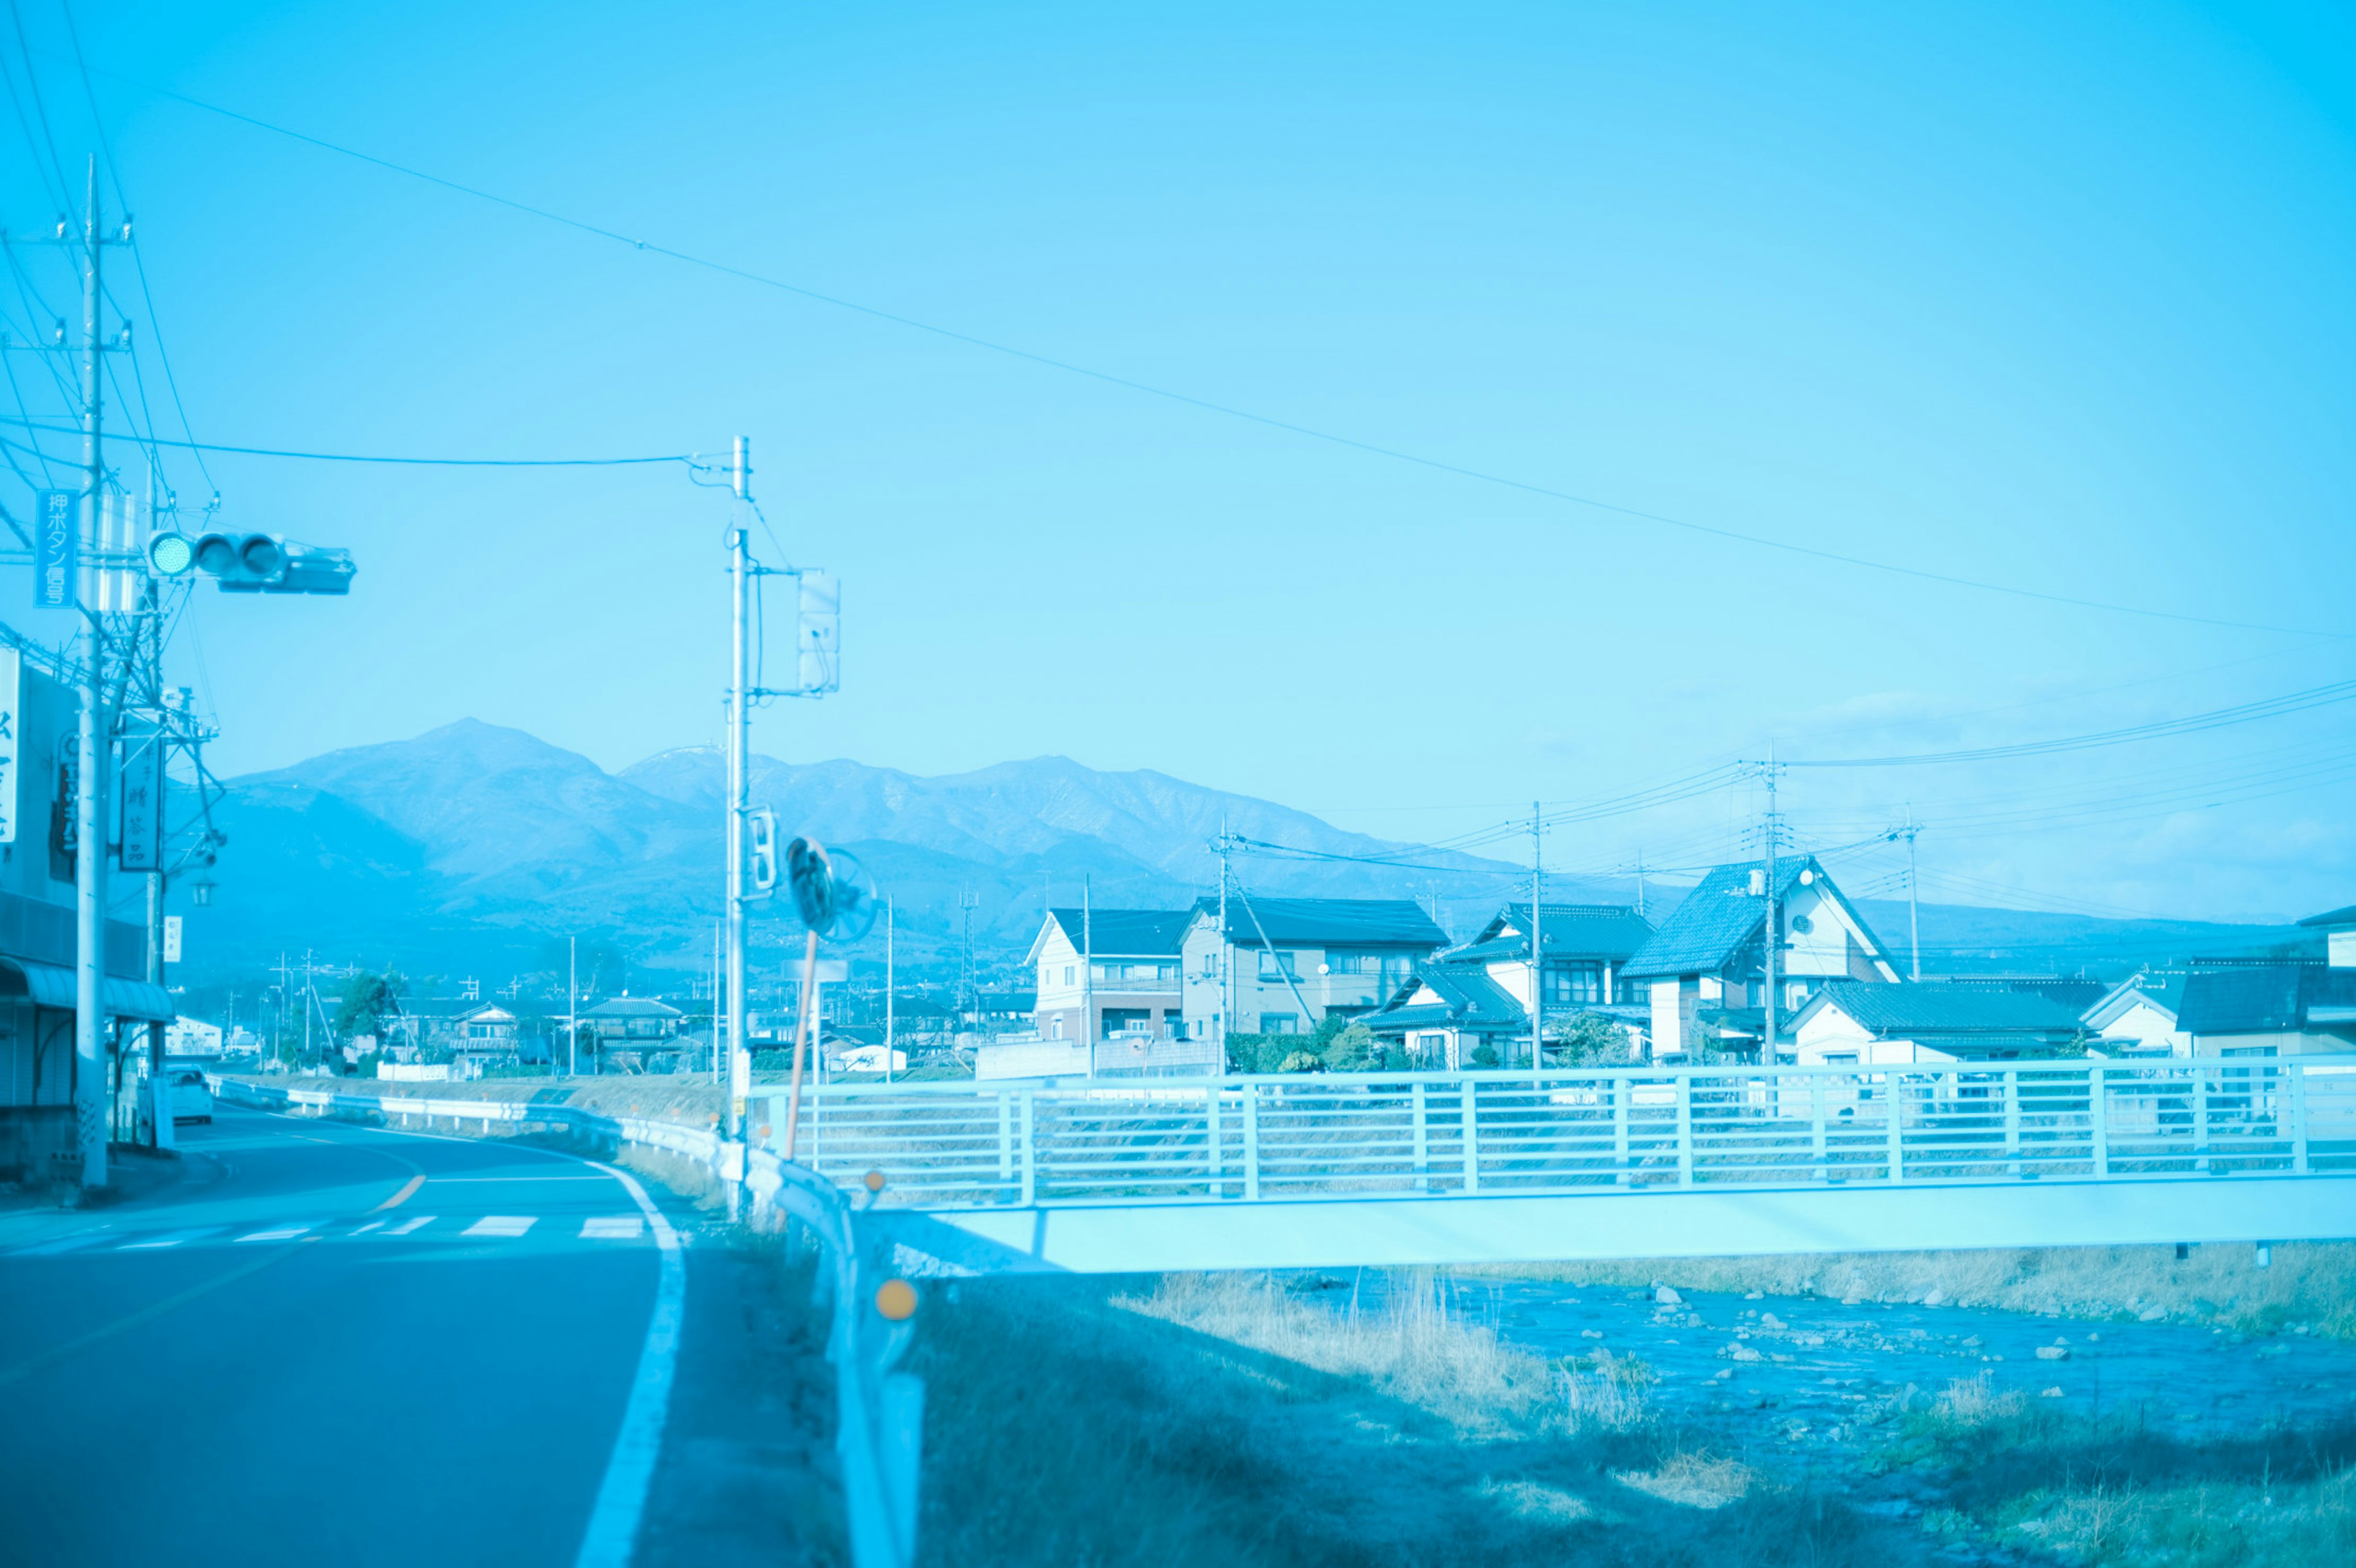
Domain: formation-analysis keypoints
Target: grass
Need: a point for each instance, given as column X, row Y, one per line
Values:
column 2112, row 1493
column 2309, row 1285
column 1232, row 1420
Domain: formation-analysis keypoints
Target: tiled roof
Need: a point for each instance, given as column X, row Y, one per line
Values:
column 1125, row 933
column 632, row 1008
column 2163, row 988
column 2334, row 917
column 1717, row 920
column 1468, row 999
column 1330, row 922
column 1932, row 1006
column 2070, row 990
column 1612, row 931
column 2267, row 998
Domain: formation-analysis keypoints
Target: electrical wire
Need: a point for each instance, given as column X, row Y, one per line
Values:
column 1229, row 411
column 690, row 458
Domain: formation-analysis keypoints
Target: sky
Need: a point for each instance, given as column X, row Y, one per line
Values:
column 1371, row 408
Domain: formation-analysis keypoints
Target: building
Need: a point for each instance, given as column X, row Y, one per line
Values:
column 484, row 1032
column 1705, row 968
column 1445, row 1012
column 2270, row 1009
column 2137, row 1016
column 40, row 1071
column 1587, row 947
column 1288, row 964
column 1107, row 971
column 2339, row 928
column 1870, row 1023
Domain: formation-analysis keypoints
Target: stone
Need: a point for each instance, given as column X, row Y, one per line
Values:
column 1666, row 1297
column 1769, row 1320
column 2052, row 1352
column 2151, row 1315
column 1754, row 1295
column 1590, row 1333
column 1935, row 1296
column 1971, row 1341
column 1852, row 1300
column 2051, row 1394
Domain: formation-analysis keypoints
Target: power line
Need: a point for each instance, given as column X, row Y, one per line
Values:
column 691, row 459
column 1228, row 410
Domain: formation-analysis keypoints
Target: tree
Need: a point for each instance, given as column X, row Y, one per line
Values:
column 369, row 1001
column 1590, row 1040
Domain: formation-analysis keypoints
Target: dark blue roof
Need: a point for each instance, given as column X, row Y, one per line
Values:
column 1943, row 1007
column 1468, row 999
column 1610, row 932
column 1716, row 922
column 1330, row 922
column 2334, row 917
column 1125, row 933
column 2265, row 999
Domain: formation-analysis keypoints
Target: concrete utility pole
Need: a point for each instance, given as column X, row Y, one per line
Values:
column 888, row 1018
column 90, row 736
column 1775, row 937
column 1225, row 960
column 1537, row 944
column 740, row 712
column 1913, row 903
column 1088, row 979
column 573, row 1007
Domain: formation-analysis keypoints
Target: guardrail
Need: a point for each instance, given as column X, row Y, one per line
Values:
column 1460, row 1134
column 879, row 1421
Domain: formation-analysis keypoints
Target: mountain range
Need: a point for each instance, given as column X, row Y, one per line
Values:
column 478, row 849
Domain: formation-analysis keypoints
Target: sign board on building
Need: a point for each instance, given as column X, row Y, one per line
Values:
column 142, row 789
column 171, row 939
column 56, row 517
column 12, row 717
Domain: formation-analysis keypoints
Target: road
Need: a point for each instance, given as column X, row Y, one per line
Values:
column 334, row 1343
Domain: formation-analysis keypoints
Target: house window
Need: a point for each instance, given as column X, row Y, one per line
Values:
column 1275, row 965
column 1575, row 985
column 1059, row 1026
column 1068, row 970
column 1280, row 1023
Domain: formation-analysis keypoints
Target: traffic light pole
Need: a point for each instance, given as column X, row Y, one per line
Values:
column 740, row 571
column 92, row 1109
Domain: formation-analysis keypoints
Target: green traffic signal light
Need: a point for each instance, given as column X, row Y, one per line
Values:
column 171, row 554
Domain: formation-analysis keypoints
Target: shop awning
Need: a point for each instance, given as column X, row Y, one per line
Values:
column 50, row 986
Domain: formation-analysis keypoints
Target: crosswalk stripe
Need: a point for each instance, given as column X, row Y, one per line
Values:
column 285, row 1232
column 612, row 1228
column 371, row 1225
column 173, row 1240
column 408, row 1225
column 502, row 1225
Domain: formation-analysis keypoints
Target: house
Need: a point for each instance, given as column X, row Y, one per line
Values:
column 1705, row 968
column 632, row 1023
column 1445, row 1011
column 2286, row 1008
column 484, row 1032
column 2137, row 1016
column 1872, row 1023
column 1586, row 946
column 2339, row 928
column 41, row 1077
column 1283, row 965
column 1106, row 971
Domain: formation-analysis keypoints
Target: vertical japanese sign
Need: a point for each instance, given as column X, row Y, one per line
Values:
column 143, row 801
column 56, row 514
column 171, row 939
column 11, row 719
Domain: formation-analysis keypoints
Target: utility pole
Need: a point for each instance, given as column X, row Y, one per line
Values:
column 889, row 1021
column 740, row 706
column 91, row 748
column 1537, row 944
column 573, row 1007
column 1775, row 938
column 1913, row 903
column 1226, row 958
column 310, row 995
column 1087, row 978
column 1639, row 884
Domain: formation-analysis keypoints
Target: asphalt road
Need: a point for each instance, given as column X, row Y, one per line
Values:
column 327, row 1344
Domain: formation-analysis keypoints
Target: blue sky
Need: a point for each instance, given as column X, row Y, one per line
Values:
column 2055, row 300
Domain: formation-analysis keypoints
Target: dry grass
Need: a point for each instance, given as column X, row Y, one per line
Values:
column 2311, row 1283
column 2292, row 1525
column 1693, row 1478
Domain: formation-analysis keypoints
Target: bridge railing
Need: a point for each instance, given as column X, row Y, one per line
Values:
column 1299, row 1136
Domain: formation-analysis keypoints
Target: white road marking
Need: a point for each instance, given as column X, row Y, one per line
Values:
column 502, row 1225
column 613, row 1533
column 285, row 1232
column 408, row 1225
column 614, row 1228
column 173, row 1240
column 454, row 1180
column 364, row 1229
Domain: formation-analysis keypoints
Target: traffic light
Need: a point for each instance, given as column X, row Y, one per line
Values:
column 253, row 563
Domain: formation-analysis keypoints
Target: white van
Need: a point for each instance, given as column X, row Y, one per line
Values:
column 192, row 1098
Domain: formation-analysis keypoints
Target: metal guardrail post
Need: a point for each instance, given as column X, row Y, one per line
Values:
column 1422, row 1138
column 1895, row 1132
column 1469, row 1101
column 2098, row 1117
column 1252, row 1142
column 2012, row 1121
column 2296, row 1073
column 1623, row 1091
column 1005, row 1136
column 1211, row 1152
column 1030, row 1149
column 1684, row 1129
column 2200, row 1119
column 1816, row 1127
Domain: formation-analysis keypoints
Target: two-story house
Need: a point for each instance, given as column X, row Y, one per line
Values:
column 1586, row 947
column 1283, row 965
column 1107, row 971
column 1706, row 966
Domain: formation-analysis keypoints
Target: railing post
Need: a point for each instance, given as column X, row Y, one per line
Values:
column 2012, row 1121
column 1212, row 1153
column 1029, row 1150
column 1005, row 1135
column 2098, row 1114
column 2200, row 1119
column 1684, row 1129
column 1816, row 1124
column 2297, row 1075
column 1252, row 1142
column 1895, row 1102
column 1620, row 1093
column 1423, row 1140
column 1472, row 1137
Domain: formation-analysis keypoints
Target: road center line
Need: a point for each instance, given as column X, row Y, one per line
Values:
column 407, row 1191
column 613, row 1532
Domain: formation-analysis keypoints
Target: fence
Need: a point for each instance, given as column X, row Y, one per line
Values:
column 1253, row 1138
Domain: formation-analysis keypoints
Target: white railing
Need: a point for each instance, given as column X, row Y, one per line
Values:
column 879, row 1412
column 1454, row 1134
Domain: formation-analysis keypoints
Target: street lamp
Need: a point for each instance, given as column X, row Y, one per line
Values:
column 203, row 891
